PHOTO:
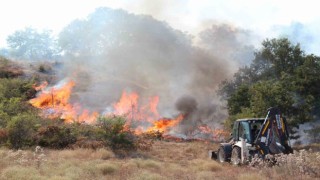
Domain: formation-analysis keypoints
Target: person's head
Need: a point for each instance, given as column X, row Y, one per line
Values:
column 254, row 127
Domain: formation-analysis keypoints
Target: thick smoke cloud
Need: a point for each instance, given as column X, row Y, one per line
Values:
column 113, row 50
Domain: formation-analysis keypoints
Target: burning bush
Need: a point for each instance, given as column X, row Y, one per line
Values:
column 153, row 134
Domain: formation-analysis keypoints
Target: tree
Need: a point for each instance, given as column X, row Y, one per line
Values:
column 268, row 94
column 29, row 44
column 240, row 99
column 283, row 56
column 280, row 75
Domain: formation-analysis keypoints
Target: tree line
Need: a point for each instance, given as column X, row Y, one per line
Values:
column 281, row 75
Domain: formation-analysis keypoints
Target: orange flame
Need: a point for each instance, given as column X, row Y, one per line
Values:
column 55, row 103
column 130, row 107
column 216, row 134
column 163, row 125
column 42, row 86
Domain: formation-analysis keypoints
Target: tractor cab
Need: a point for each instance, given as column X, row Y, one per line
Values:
column 246, row 129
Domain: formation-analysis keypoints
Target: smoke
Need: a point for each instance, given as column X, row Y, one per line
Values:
column 112, row 50
column 196, row 115
column 232, row 44
column 186, row 104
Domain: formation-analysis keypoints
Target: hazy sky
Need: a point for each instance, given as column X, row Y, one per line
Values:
column 298, row 20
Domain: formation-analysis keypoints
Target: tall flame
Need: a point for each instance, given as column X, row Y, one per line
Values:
column 130, row 107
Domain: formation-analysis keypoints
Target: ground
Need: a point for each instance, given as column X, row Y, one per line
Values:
column 165, row 160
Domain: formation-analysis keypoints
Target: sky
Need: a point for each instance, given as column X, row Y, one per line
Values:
column 299, row 20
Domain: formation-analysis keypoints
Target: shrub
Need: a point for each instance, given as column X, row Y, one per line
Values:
column 54, row 136
column 20, row 88
column 4, row 118
column 87, row 132
column 3, row 135
column 8, row 69
column 115, row 132
column 21, row 130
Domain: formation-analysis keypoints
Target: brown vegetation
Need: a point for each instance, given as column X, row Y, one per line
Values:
column 164, row 160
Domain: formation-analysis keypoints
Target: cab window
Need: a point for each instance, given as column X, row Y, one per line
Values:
column 244, row 131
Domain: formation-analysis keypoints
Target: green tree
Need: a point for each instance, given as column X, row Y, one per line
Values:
column 239, row 100
column 268, row 94
column 280, row 75
column 29, row 44
column 283, row 56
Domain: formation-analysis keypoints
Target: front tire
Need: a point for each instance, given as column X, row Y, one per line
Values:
column 236, row 156
column 222, row 157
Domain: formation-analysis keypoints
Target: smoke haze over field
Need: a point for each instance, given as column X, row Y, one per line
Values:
column 177, row 50
column 112, row 51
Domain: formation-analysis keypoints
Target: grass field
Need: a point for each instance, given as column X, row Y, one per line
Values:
column 165, row 160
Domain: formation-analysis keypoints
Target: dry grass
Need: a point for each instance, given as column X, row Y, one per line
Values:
column 165, row 160
column 108, row 168
column 206, row 165
column 251, row 176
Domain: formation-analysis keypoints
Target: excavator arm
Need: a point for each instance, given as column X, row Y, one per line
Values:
column 273, row 136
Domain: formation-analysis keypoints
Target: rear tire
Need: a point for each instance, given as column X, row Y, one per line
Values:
column 236, row 156
column 222, row 157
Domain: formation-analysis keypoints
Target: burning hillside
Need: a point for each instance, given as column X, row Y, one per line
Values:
column 141, row 68
column 55, row 102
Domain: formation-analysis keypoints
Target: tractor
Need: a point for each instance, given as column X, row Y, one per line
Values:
column 255, row 136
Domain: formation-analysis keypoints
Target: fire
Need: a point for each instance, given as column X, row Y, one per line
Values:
column 42, row 86
column 130, row 107
column 142, row 116
column 215, row 134
column 163, row 125
column 53, row 98
column 55, row 103
column 127, row 105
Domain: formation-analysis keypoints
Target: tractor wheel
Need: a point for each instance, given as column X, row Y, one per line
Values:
column 236, row 156
column 222, row 157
